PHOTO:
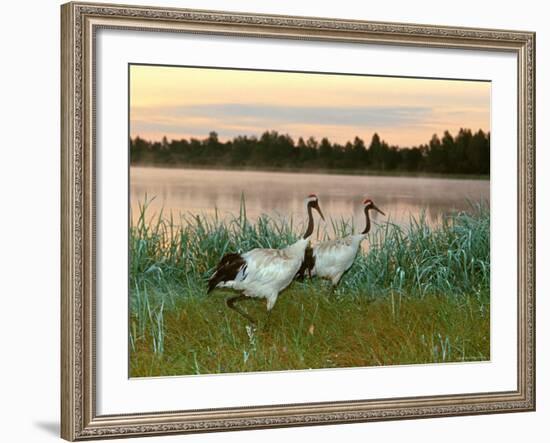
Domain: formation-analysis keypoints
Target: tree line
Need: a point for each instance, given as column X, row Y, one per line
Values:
column 464, row 153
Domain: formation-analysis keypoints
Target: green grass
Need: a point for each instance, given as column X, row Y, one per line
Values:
column 419, row 295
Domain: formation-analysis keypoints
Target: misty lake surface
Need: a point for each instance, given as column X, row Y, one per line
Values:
column 282, row 194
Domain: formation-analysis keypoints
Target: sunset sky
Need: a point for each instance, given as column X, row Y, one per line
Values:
column 179, row 102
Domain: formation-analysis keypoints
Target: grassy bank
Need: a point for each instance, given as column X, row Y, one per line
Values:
column 419, row 295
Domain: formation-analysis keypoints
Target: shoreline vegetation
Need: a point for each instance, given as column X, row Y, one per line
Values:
column 464, row 155
column 419, row 295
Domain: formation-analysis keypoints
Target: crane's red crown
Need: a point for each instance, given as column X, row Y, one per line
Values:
column 311, row 196
column 367, row 201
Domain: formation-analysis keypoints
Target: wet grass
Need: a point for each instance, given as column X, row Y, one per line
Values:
column 419, row 295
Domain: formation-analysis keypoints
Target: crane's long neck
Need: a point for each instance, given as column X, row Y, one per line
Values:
column 367, row 227
column 309, row 229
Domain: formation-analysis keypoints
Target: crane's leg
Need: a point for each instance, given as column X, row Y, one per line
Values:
column 270, row 302
column 266, row 326
column 231, row 304
column 335, row 280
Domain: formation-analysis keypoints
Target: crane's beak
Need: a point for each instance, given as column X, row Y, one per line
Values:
column 319, row 211
column 376, row 208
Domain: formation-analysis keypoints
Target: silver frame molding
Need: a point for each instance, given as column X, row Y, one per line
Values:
column 79, row 22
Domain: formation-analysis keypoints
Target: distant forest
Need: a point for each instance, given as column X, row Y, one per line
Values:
column 464, row 153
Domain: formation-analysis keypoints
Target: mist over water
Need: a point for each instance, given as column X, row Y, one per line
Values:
column 281, row 194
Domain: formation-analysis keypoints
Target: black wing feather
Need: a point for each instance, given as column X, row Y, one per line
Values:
column 227, row 269
column 307, row 264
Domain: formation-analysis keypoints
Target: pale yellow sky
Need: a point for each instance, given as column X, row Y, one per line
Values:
column 179, row 102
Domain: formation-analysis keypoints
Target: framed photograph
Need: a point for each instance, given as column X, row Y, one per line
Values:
column 283, row 221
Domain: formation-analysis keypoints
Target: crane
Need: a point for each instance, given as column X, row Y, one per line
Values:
column 263, row 273
column 332, row 258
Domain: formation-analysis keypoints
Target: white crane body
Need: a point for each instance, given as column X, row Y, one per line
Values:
column 266, row 272
column 334, row 257
column 263, row 273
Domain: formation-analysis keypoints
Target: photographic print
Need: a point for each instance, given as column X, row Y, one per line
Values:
column 301, row 220
column 275, row 221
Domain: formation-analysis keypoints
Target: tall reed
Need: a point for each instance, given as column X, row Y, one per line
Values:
column 450, row 258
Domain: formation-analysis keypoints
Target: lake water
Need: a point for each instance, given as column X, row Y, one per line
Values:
column 194, row 191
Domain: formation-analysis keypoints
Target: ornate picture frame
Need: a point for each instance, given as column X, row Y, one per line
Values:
column 80, row 23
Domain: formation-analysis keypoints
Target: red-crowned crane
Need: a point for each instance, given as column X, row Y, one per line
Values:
column 331, row 259
column 263, row 273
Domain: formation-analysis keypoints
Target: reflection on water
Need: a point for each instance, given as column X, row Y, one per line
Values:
column 282, row 194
